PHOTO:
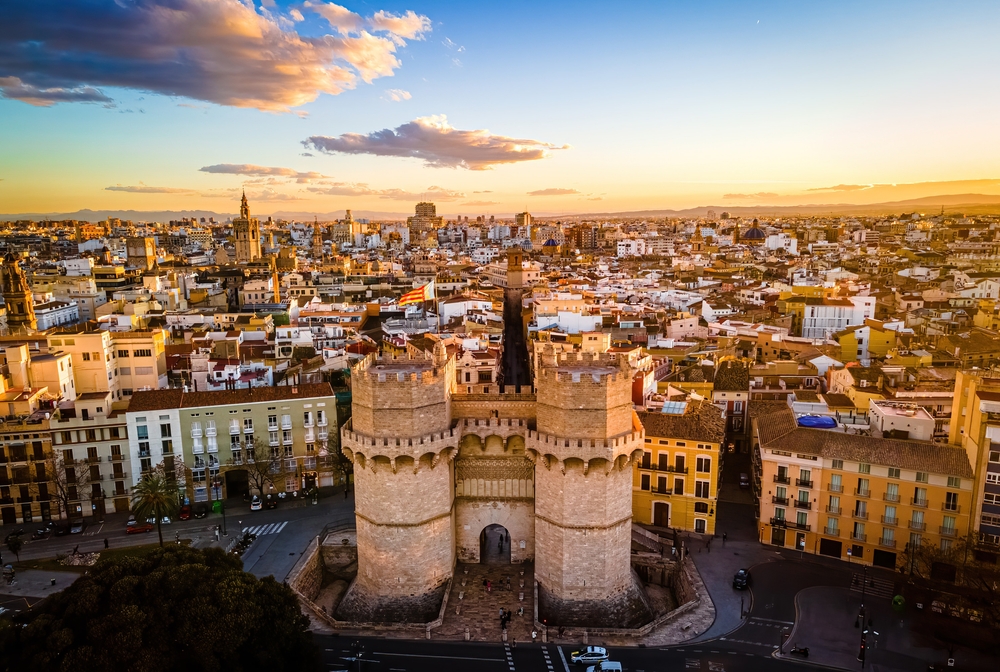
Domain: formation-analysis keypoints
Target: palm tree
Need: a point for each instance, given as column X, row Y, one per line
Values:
column 154, row 497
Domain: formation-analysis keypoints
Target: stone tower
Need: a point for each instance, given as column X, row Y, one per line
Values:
column 317, row 241
column 247, row 233
column 140, row 252
column 17, row 296
column 402, row 443
column 586, row 439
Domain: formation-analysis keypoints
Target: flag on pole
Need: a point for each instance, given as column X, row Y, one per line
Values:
column 419, row 295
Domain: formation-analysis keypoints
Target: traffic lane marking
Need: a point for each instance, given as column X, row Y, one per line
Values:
column 423, row 655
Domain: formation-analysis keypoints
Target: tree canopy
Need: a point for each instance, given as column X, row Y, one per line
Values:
column 155, row 496
column 173, row 609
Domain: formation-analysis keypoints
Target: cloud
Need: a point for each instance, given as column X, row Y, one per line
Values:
column 362, row 189
column 759, row 194
column 222, row 51
column 259, row 171
column 271, row 195
column 484, row 191
column 844, row 187
column 143, row 189
column 553, row 192
column 437, row 144
column 596, row 198
column 306, row 154
column 397, row 95
column 481, row 203
column 15, row 89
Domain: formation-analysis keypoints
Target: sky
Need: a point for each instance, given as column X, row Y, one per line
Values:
column 493, row 107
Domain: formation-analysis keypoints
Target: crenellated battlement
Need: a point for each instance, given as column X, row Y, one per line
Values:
column 540, row 445
column 365, row 448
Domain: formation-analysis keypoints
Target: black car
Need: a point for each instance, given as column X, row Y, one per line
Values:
column 270, row 502
column 200, row 510
column 742, row 579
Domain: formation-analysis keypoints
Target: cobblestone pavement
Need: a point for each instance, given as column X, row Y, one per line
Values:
column 472, row 606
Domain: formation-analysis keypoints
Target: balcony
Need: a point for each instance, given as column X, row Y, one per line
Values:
column 890, row 497
column 323, row 436
column 803, row 504
column 661, row 491
column 117, row 458
column 887, row 520
column 780, row 500
column 213, row 447
column 198, row 450
column 120, row 476
column 860, row 515
column 272, row 428
column 196, row 433
column 834, row 510
column 143, row 453
column 248, row 430
column 779, row 522
column 887, row 543
column 287, row 441
column 669, row 468
column 914, row 525
column 948, row 531
column 234, row 429
column 308, row 422
column 831, row 531
column 803, row 483
column 951, row 506
column 835, row 488
column 286, row 424
column 778, row 478
column 211, row 431
column 799, row 526
column 859, row 492
column 922, row 503
column 310, row 436
column 857, row 536
column 322, row 422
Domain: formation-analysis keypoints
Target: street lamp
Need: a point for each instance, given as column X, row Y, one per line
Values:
column 217, row 484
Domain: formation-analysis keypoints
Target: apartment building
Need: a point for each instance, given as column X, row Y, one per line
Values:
column 90, row 444
column 675, row 483
column 856, row 497
column 95, row 368
column 142, row 360
column 26, row 461
column 219, row 436
column 975, row 425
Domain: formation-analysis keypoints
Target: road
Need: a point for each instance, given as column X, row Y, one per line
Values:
column 386, row 655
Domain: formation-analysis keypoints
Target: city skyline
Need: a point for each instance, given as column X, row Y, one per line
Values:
column 588, row 109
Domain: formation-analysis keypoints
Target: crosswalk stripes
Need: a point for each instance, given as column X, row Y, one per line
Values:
column 877, row 586
column 270, row 528
column 510, row 656
column 548, row 660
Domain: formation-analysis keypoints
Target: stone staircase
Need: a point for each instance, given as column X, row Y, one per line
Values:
column 471, row 606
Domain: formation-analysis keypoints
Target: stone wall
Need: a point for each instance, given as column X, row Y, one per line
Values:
column 516, row 515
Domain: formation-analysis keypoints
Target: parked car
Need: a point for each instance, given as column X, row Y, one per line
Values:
column 135, row 527
column 163, row 521
column 256, row 504
column 270, row 502
column 77, row 526
column 185, row 513
column 200, row 510
column 742, row 579
column 606, row 666
column 42, row 533
column 744, row 480
column 589, row 655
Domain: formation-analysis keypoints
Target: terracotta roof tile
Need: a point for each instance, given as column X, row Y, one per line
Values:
column 701, row 422
column 154, row 400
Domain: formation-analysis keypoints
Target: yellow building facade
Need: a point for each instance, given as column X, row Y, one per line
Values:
column 857, row 498
column 675, row 483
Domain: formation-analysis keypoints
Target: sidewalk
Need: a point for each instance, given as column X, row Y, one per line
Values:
column 824, row 622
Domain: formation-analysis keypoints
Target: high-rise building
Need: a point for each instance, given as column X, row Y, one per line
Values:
column 425, row 219
column 247, row 232
column 17, row 296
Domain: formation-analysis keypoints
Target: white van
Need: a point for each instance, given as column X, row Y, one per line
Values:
column 606, row 666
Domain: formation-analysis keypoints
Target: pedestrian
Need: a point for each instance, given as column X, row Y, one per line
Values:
column 501, row 612
column 508, row 583
column 513, row 643
column 484, row 583
column 177, row 537
column 105, row 543
column 346, row 492
column 500, row 545
column 489, row 586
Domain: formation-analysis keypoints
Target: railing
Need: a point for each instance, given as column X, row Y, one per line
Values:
column 831, row 531
column 323, row 436
column 860, row 515
column 143, row 453
column 802, row 504
column 859, row 492
column 890, row 520
column 670, row 469
column 213, row 448
column 248, row 430
column 778, row 478
column 919, row 502
column 859, row 537
column 890, row 497
column 833, row 509
column 779, row 522
column 288, row 440
column 286, row 425
column 322, row 422
column 780, row 500
column 196, row 433
column 949, row 506
column 272, row 428
column 661, row 491
column 914, row 525
column 234, row 429
column 798, row 526
column 835, row 488
column 119, row 476
column 948, row 531
column 117, row 458
column 211, row 431
column 803, row 483
column 888, row 543
column 308, row 422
